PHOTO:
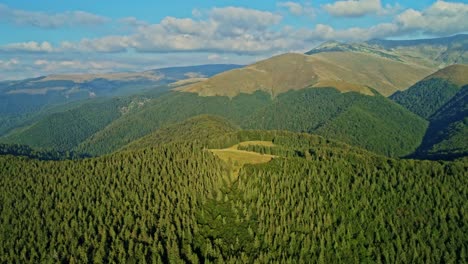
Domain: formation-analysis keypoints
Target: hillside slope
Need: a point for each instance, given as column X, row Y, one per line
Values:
column 22, row 99
column 64, row 130
column 200, row 128
column 346, row 71
column 427, row 96
column 380, row 125
column 446, row 137
column 441, row 98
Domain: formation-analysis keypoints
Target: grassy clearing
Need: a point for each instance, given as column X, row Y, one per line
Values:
column 238, row 158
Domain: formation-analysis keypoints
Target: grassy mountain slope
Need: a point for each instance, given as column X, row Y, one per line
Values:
column 456, row 74
column 347, row 71
column 318, row 201
column 307, row 110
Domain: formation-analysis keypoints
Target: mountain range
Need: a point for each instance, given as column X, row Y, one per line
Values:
column 335, row 90
column 350, row 153
column 25, row 100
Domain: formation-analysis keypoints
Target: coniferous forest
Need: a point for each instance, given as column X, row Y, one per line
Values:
column 317, row 201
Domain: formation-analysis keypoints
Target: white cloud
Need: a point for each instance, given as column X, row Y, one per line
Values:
column 8, row 64
column 30, row 46
column 293, row 7
column 76, row 66
column 441, row 18
column 325, row 32
column 229, row 29
column 297, row 9
column 133, row 22
column 49, row 20
column 104, row 44
column 244, row 18
column 353, row 8
column 251, row 32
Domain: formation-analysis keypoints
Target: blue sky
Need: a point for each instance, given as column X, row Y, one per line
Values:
column 50, row 36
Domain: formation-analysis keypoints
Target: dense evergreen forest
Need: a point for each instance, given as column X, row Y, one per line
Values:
column 372, row 122
column 447, row 134
column 427, row 96
column 62, row 130
column 318, row 201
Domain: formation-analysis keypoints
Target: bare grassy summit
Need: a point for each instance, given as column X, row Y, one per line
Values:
column 457, row 74
column 345, row 71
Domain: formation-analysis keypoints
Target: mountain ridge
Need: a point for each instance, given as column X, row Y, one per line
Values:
column 346, row 71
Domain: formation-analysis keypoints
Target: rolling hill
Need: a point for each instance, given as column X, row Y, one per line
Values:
column 66, row 129
column 336, row 93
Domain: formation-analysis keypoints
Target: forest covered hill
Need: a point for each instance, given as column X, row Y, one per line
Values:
column 316, row 201
column 441, row 98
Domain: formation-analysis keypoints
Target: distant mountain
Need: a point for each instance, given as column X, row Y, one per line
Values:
column 346, row 71
column 172, row 74
column 20, row 100
column 437, row 52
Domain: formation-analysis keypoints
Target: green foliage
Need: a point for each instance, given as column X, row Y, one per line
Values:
column 427, row 96
column 65, row 130
column 323, row 201
column 372, row 122
column 166, row 110
column 202, row 128
column 132, row 206
column 446, row 137
column 378, row 126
